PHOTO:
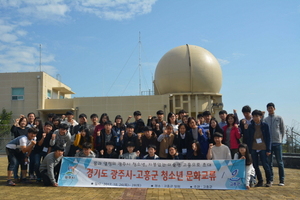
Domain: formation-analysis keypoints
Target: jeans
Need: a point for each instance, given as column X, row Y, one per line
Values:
column 37, row 163
column 277, row 151
column 264, row 161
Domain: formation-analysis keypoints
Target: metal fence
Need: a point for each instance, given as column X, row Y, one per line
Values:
column 5, row 137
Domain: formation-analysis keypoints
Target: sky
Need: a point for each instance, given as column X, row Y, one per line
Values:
column 93, row 45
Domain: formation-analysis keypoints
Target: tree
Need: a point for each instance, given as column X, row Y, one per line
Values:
column 5, row 118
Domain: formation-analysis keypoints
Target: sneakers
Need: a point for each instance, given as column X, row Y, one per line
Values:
column 259, row 184
column 25, row 181
column 10, row 183
column 32, row 177
column 281, row 183
column 269, row 184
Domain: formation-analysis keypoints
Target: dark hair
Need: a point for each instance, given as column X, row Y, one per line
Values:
column 93, row 115
column 190, row 119
column 21, row 119
column 130, row 144
column 217, row 129
column 40, row 126
column 109, row 143
column 102, row 116
column 82, row 115
column 130, row 126
column 173, row 146
column 159, row 112
column 270, row 105
column 56, row 119
column 137, row 113
column 69, row 113
column 64, row 126
column 87, row 137
column 170, row 115
column 199, row 115
column 48, row 123
column 32, row 130
column 169, row 126
column 256, row 113
column 107, row 123
column 51, row 115
column 87, row 145
column 30, row 114
column 59, row 148
column 180, row 125
column 234, row 119
column 223, row 112
column 152, row 146
column 246, row 109
column 247, row 154
column 206, row 113
column 198, row 147
column 119, row 117
column 217, row 134
column 147, row 128
column 182, row 111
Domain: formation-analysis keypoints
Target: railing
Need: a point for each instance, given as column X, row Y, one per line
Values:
column 5, row 137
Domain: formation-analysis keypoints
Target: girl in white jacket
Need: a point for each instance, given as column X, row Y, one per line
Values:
column 243, row 153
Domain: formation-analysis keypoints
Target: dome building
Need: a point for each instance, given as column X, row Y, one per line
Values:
column 192, row 77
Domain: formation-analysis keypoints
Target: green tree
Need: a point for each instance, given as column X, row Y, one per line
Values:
column 5, row 118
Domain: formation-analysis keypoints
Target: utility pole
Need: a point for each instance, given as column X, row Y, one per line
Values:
column 140, row 66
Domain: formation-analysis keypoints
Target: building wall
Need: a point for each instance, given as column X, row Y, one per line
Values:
column 124, row 105
column 35, row 86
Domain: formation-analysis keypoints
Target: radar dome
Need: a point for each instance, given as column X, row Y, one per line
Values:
column 188, row 69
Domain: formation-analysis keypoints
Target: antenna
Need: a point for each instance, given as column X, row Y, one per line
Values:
column 140, row 66
column 40, row 57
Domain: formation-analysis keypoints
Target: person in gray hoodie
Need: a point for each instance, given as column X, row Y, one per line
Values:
column 277, row 130
column 61, row 137
column 50, row 166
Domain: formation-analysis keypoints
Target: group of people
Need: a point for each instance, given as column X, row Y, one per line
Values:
column 179, row 137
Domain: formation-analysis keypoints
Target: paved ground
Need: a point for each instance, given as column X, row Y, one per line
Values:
column 34, row 191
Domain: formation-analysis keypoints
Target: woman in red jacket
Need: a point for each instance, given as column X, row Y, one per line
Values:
column 231, row 134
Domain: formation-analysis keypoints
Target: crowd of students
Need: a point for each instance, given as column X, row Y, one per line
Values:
column 179, row 137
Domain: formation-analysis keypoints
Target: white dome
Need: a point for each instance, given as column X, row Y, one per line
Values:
column 188, row 69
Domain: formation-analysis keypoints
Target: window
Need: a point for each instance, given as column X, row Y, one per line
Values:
column 61, row 97
column 48, row 94
column 17, row 93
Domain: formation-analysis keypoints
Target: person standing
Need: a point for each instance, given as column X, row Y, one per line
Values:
column 259, row 143
column 277, row 130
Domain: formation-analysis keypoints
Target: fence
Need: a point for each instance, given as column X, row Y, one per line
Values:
column 5, row 137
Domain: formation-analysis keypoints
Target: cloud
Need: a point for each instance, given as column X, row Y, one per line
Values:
column 223, row 61
column 237, row 55
column 15, row 55
column 115, row 9
column 59, row 9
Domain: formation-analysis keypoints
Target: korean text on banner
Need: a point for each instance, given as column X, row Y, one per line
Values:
column 194, row 174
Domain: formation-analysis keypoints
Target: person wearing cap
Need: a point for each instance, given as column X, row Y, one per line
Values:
column 130, row 136
column 109, row 151
column 148, row 138
column 76, row 130
column 50, row 166
column 42, row 148
column 15, row 151
column 61, row 137
column 130, row 152
column 138, row 123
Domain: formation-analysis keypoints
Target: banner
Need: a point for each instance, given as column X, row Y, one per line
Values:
column 193, row 174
